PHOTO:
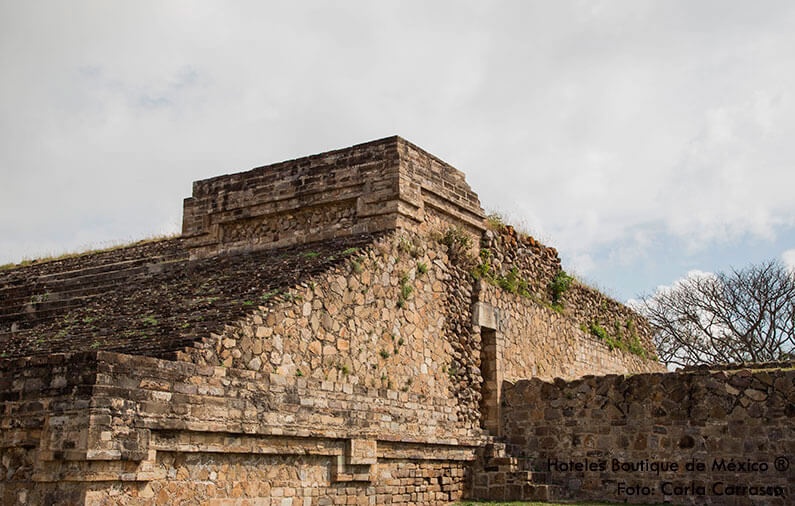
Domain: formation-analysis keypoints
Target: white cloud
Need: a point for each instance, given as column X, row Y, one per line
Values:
column 591, row 122
column 788, row 257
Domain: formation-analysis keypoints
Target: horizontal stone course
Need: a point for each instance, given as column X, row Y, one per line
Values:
column 739, row 417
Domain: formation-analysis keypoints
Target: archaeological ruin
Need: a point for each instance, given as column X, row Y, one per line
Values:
column 351, row 328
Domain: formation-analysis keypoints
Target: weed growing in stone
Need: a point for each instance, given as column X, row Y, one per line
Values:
column 495, row 221
column 149, row 320
column 458, row 244
column 422, row 267
column 559, row 285
column 269, row 295
column 625, row 342
column 405, row 290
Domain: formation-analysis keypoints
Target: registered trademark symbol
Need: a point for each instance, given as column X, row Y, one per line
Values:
column 782, row 464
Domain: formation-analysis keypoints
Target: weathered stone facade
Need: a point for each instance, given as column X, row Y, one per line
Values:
column 701, row 437
column 324, row 332
column 373, row 187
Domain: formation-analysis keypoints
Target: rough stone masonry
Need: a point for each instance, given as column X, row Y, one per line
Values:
column 344, row 328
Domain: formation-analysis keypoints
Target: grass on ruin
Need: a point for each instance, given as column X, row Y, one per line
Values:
column 88, row 251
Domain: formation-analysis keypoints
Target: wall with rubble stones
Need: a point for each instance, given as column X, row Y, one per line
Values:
column 365, row 379
column 704, row 437
column 541, row 335
column 380, row 321
column 539, row 342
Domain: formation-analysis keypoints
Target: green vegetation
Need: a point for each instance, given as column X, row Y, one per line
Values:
column 412, row 247
column 559, row 285
column 458, row 243
column 349, row 251
column 624, row 338
column 89, row 251
column 311, row 254
column 39, row 298
column 384, row 354
column 495, row 221
column 149, row 320
column 356, row 265
column 405, row 290
column 422, row 267
column 512, row 282
column 265, row 297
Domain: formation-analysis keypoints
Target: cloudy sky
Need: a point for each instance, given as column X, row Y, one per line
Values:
column 643, row 139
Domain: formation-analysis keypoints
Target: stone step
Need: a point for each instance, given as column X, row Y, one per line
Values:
column 515, row 492
column 106, row 267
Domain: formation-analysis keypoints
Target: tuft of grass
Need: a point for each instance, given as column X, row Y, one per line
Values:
column 89, row 251
column 559, row 285
column 405, row 290
column 422, row 267
column 311, row 254
column 384, row 354
column 149, row 320
column 629, row 342
column 265, row 297
column 495, row 221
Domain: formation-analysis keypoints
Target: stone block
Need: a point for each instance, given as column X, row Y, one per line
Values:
column 362, row 451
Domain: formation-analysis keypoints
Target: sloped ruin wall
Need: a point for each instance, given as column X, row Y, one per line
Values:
column 367, row 377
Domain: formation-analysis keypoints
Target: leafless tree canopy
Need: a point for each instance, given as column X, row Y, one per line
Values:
column 742, row 316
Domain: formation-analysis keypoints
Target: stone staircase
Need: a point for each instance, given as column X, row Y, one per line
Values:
column 503, row 477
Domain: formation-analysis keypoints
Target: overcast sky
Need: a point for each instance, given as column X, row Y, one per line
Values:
column 643, row 139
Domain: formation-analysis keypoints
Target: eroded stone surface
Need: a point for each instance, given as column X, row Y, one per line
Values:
column 310, row 340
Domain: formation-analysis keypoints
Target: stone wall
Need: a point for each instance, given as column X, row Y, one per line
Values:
column 345, row 368
column 380, row 321
column 528, row 330
column 706, row 437
column 148, row 428
column 44, row 419
column 373, row 187
column 521, row 265
column 539, row 342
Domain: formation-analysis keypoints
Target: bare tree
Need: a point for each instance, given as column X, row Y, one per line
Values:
column 745, row 315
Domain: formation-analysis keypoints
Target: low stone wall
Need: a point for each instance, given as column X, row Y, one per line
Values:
column 706, row 437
